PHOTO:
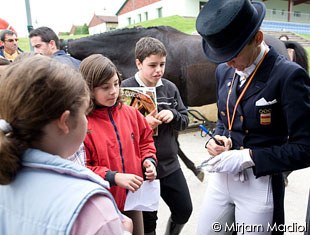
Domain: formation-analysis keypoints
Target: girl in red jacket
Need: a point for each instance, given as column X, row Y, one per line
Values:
column 119, row 145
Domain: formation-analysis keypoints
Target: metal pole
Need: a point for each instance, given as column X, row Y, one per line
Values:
column 29, row 20
column 290, row 8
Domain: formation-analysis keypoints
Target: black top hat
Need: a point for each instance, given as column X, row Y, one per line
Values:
column 226, row 26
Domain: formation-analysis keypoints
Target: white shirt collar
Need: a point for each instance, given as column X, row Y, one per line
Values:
column 264, row 48
column 141, row 83
column 249, row 70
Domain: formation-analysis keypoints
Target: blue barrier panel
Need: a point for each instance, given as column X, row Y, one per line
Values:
column 286, row 26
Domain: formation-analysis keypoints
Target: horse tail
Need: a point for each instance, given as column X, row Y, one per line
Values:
column 300, row 54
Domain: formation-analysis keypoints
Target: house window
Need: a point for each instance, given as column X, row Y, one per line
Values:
column 139, row 17
column 296, row 13
column 274, row 11
column 129, row 20
column 146, row 15
column 160, row 12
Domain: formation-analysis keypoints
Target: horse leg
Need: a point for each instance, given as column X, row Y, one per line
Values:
column 190, row 165
column 285, row 176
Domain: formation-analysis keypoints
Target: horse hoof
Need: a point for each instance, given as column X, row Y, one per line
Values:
column 285, row 181
column 200, row 175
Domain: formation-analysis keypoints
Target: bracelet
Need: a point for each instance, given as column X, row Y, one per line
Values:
column 207, row 142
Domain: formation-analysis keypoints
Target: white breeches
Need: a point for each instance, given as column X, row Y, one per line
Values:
column 246, row 207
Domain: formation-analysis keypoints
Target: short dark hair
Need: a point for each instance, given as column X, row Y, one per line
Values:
column 6, row 32
column 284, row 36
column 46, row 34
column 147, row 46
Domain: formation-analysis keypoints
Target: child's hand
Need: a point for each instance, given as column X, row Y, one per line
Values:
column 128, row 181
column 151, row 120
column 165, row 116
column 150, row 170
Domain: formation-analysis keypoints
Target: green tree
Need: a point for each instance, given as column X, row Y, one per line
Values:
column 81, row 30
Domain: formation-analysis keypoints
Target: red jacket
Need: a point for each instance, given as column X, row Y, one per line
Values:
column 119, row 139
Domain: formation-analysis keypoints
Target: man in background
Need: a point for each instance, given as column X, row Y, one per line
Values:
column 9, row 50
column 45, row 41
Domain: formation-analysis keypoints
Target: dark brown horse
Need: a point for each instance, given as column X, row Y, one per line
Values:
column 186, row 66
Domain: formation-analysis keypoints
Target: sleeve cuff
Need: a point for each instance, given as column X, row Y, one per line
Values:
column 110, row 177
column 152, row 160
column 248, row 161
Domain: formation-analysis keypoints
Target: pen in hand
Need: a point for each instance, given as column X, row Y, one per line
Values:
column 208, row 133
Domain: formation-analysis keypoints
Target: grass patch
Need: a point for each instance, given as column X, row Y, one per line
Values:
column 308, row 54
column 24, row 43
column 183, row 24
column 306, row 36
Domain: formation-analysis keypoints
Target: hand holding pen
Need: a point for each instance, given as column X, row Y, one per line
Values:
column 216, row 144
column 203, row 128
column 220, row 145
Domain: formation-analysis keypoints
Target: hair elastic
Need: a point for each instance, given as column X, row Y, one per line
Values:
column 5, row 126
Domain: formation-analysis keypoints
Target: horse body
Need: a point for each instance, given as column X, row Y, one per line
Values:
column 186, row 64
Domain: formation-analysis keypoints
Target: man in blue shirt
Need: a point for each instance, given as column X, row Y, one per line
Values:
column 45, row 41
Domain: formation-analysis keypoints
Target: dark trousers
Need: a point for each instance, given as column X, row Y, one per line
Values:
column 174, row 191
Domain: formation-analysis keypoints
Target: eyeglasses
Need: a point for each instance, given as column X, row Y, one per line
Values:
column 12, row 40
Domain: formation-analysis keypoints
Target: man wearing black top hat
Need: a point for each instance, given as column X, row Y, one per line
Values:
column 263, row 112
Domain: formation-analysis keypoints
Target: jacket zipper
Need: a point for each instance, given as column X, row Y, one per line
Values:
column 118, row 139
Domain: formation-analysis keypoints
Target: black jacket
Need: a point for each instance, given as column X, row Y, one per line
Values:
column 278, row 130
column 168, row 97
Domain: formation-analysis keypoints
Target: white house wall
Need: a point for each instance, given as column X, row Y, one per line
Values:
column 134, row 15
column 169, row 8
column 100, row 28
column 184, row 7
column 190, row 8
